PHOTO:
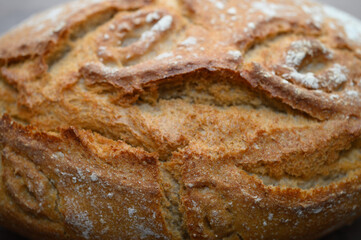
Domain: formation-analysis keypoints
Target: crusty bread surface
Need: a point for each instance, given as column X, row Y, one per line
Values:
column 181, row 119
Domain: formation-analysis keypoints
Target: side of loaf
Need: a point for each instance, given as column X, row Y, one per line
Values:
column 181, row 119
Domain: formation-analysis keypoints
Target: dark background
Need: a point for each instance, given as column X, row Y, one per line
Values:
column 13, row 12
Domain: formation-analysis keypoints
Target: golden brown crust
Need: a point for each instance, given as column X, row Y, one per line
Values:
column 52, row 26
column 82, row 182
column 181, row 120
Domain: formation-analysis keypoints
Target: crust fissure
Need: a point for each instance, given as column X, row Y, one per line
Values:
column 347, row 165
column 172, row 207
column 29, row 187
column 218, row 89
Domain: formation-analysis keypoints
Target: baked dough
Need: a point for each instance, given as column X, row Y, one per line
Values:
column 181, row 119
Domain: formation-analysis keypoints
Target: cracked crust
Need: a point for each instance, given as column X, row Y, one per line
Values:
column 181, row 120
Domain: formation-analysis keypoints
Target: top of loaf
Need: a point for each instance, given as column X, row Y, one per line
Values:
column 140, row 71
column 269, row 88
column 300, row 53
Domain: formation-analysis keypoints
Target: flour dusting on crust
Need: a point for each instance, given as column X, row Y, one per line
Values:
column 350, row 24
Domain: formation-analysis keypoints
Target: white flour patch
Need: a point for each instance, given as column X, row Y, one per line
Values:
column 189, row 42
column 308, row 79
column 351, row 25
column 235, row 54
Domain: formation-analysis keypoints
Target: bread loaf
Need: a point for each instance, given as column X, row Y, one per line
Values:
column 181, row 119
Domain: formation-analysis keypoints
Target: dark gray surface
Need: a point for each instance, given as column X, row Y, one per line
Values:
column 14, row 11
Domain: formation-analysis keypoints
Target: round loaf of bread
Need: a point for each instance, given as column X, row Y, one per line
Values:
column 181, row 119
